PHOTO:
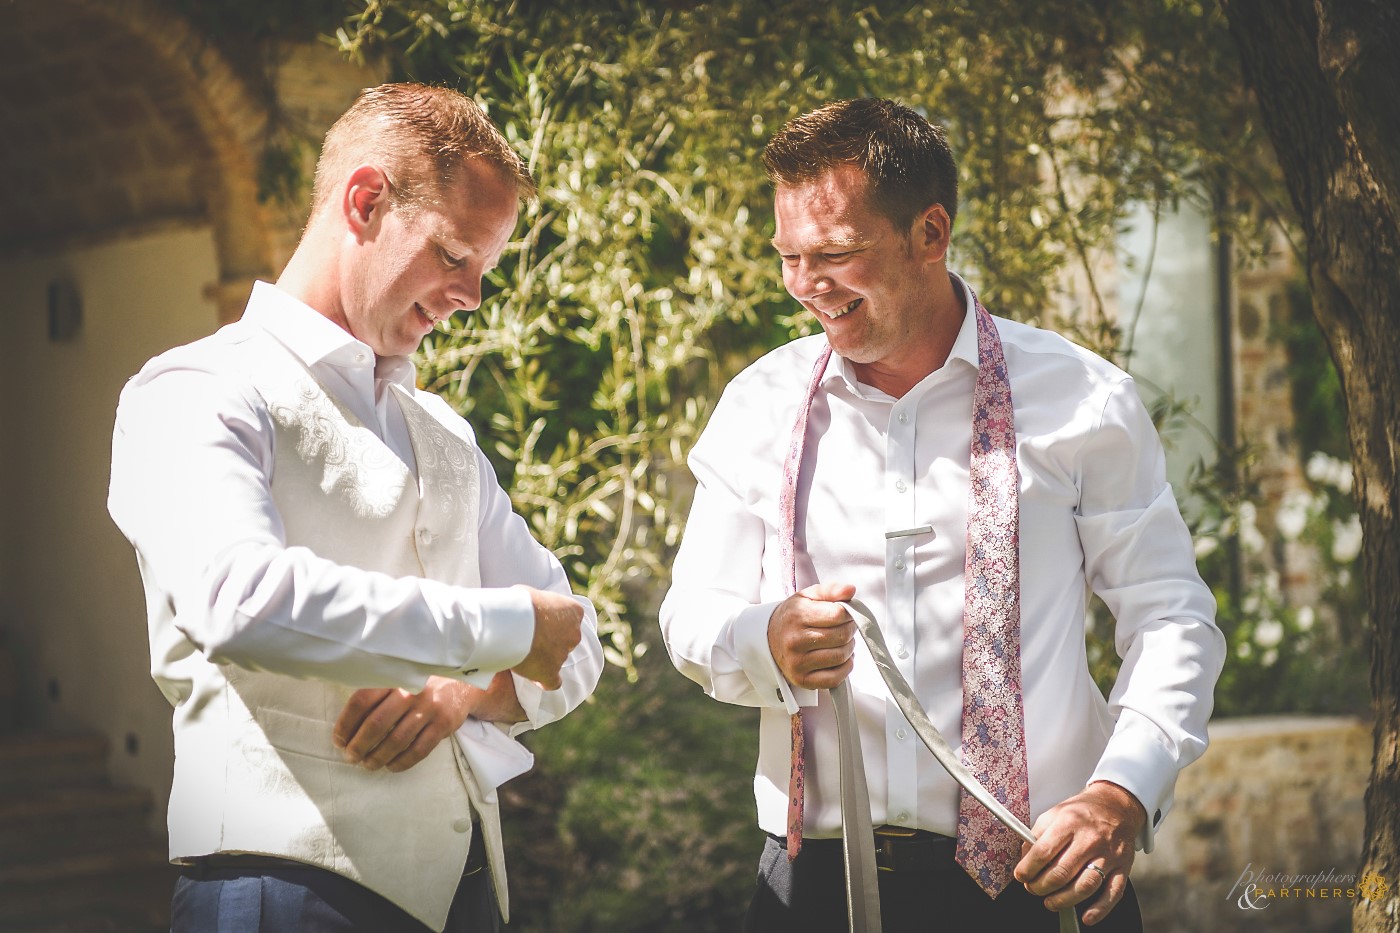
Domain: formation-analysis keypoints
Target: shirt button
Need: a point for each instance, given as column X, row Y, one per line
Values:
column 900, row 651
column 903, row 417
column 902, row 817
column 899, row 564
column 901, row 734
column 361, row 357
column 899, row 485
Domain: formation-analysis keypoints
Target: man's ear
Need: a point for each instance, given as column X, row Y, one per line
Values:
column 366, row 200
column 933, row 232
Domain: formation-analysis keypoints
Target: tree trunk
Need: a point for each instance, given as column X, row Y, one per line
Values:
column 1327, row 77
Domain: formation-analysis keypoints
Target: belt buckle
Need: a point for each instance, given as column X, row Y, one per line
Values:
column 887, row 840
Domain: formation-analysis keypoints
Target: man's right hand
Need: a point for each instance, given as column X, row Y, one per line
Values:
column 558, row 629
column 812, row 638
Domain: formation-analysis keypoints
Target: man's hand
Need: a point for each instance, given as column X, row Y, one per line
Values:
column 498, row 702
column 812, row 638
column 1096, row 827
column 395, row 729
column 558, row 630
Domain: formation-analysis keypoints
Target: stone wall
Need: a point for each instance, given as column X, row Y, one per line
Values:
column 1273, row 796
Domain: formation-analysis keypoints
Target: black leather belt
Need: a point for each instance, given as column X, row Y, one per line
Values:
column 913, row 850
column 898, row 849
column 203, row 866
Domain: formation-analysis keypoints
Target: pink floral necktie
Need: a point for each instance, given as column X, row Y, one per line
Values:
column 993, row 720
column 787, row 542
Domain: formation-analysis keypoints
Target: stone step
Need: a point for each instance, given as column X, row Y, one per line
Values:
column 116, row 858
column 42, row 760
column 37, row 824
column 76, row 854
column 120, row 891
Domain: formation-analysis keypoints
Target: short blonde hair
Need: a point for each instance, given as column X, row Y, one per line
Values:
column 419, row 136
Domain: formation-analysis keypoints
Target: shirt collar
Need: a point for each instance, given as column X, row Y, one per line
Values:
column 315, row 338
column 964, row 346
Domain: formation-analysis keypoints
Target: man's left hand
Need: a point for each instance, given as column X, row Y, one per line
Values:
column 395, row 729
column 1096, row 828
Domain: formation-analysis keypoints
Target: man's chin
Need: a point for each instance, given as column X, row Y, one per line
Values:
column 405, row 347
column 848, row 351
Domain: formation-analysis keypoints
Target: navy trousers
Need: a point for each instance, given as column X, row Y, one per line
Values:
column 276, row 899
column 809, row 894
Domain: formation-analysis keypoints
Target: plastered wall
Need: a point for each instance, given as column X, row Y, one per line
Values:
column 70, row 594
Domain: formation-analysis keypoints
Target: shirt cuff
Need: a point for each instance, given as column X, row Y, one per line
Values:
column 530, row 696
column 494, row 757
column 507, row 631
column 750, row 630
column 1140, row 765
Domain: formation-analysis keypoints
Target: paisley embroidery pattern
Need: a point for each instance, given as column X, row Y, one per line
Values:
column 451, row 501
column 358, row 469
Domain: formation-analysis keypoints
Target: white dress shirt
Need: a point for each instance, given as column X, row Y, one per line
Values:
column 1096, row 513
column 191, row 463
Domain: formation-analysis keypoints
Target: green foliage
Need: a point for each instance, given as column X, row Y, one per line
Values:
column 639, row 814
column 644, row 279
column 1285, row 655
column 286, row 167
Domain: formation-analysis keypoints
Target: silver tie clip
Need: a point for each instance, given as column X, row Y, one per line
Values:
column 907, row 532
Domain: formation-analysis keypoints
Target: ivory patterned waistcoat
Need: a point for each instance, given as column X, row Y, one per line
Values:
column 255, row 767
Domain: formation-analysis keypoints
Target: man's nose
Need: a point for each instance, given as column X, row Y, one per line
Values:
column 807, row 282
column 465, row 291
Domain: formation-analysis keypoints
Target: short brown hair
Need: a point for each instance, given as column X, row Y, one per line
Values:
column 419, row 136
column 904, row 157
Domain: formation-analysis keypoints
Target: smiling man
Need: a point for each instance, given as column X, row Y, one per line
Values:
column 349, row 619
column 969, row 479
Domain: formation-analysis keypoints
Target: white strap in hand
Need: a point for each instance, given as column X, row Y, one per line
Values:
column 862, row 890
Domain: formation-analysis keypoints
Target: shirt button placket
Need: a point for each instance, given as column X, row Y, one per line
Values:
column 901, row 760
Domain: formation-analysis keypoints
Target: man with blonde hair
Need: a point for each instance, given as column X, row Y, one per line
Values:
column 336, row 583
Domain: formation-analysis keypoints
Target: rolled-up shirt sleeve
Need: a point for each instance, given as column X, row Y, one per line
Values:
column 1140, row 560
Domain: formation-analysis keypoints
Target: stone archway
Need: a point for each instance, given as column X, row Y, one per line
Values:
column 118, row 116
